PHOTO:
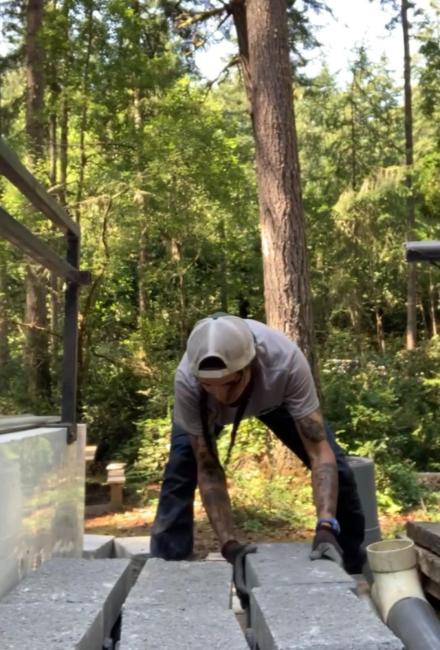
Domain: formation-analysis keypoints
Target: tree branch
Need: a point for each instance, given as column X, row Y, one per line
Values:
column 188, row 18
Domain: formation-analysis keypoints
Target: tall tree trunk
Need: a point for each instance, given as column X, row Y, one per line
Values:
column 142, row 272
column 432, row 309
column 176, row 256
column 64, row 143
column 36, row 356
column 379, row 330
column 223, row 266
column 411, row 324
column 85, row 110
column 35, row 122
column 37, row 360
column 265, row 56
column 353, row 138
column 4, row 317
column 53, row 176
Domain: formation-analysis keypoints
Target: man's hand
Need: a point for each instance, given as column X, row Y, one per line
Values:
column 235, row 553
column 325, row 547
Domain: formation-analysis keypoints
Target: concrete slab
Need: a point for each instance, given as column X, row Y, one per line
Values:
column 136, row 548
column 425, row 534
column 100, row 585
column 50, row 626
column 181, row 628
column 285, row 564
column 97, row 547
column 318, row 617
column 132, row 546
column 174, row 584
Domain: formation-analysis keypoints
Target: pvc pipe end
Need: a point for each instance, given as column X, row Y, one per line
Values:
column 392, row 555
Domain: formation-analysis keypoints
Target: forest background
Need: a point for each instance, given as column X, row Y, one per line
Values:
column 103, row 101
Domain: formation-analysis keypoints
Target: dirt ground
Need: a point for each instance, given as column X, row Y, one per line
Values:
column 135, row 521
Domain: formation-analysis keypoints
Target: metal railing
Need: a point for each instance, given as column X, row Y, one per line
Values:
column 423, row 251
column 68, row 268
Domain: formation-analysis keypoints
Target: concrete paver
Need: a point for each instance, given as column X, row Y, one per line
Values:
column 184, row 628
column 178, row 584
column 316, row 617
column 136, row 548
column 181, row 606
column 93, row 590
column 97, row 547
column 289, row 564
column 51, row 626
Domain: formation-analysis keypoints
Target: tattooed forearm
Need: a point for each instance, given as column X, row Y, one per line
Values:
column 312, row 427
column 214, row 493
column 325, row 488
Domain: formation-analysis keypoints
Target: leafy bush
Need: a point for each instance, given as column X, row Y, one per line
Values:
column 387, row 408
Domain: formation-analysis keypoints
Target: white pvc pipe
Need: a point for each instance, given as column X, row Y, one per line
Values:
column 398, row 595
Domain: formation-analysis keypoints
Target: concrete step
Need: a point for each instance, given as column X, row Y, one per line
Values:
column 316, row 617
column 181, row 606
column 286, row 563
column 299, row 604
column 97, row 547
column 177, row 584
column 136, row 548
column 188, row 628
column 67, row 604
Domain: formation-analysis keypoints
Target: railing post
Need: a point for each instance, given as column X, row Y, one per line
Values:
column 70, row 360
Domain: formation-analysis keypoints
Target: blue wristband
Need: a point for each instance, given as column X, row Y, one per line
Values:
column 334, row 524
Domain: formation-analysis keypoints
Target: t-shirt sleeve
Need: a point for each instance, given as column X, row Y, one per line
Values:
column 187, row 405
column 300, row 397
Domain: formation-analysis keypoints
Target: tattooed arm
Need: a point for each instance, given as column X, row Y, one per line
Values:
column 323, row 463
column 213, row 490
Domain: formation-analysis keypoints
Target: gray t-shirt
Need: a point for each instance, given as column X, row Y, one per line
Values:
column 282, row 376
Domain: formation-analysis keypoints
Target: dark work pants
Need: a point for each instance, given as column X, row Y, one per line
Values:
column 172, row 537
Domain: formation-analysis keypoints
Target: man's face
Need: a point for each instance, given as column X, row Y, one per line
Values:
column 228, row 389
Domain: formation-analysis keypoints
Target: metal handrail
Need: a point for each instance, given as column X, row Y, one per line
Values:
column 423, row 251
column 68, row 268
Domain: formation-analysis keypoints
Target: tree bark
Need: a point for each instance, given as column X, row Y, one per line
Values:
column 379, row 330
column 432, row 308
column 84, row 111
column 37, row 359
column 265, row 55
column 36, row 353
column 4, row 316
column 64, row 144
column 35, row 122
column 411, row 324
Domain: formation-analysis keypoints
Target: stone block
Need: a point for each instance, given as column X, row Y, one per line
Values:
column 180, row 628
column 97, row 547
column 51, row 625
column 425, row 534
column 136, row 548
column 175, row 584
column 132, row 546
column 100, row 585
column 316, row 617
column 285, row 564
column 428, row 563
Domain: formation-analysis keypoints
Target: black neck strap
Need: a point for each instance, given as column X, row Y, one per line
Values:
column 209, row 436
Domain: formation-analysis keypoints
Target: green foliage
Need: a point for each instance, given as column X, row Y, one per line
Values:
column 148, row 452
column 397, row 486
column 387, row 408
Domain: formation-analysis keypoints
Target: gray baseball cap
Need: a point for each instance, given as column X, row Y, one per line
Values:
column 225, row 337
